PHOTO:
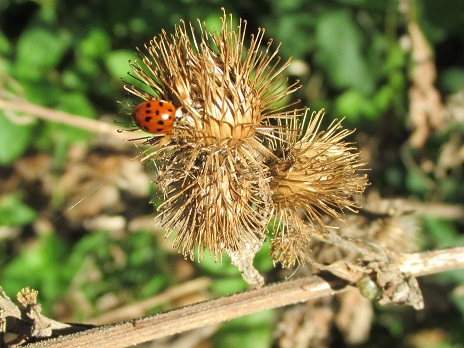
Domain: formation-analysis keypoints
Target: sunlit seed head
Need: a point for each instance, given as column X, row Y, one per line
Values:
column 229, row 91
column 316, row 176
column 211, row 169
column 236, row 157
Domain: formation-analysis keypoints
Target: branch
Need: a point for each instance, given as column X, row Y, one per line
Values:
column 47, row 114
column 139, row 308
column 289, row 292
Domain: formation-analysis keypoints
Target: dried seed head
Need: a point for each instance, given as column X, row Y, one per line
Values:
column 236, row 157
column 291, row 248
column 227, row 92
column 220, row 202
column 315, row 176
column 211, row 168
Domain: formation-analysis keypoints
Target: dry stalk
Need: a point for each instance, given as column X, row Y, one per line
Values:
column 62, row 117
column 203, row 314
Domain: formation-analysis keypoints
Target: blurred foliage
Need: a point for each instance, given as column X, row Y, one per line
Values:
column 13, row 212
column 71, row 55
column 253, row 330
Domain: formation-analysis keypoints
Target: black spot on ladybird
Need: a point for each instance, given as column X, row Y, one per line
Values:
column 161, row 122
column 148, row 119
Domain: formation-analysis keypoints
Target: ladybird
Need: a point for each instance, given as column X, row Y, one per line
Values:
column 155, row 116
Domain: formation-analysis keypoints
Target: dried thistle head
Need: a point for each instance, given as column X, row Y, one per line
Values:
column 228, row 92
column 212, row 167
column 316, row 176
column 237, row 158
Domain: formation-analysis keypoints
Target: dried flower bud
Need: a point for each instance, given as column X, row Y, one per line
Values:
column 235, row 157
column 212, row 167
column 315, row 176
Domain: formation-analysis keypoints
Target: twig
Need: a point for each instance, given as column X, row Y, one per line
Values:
column 90, row 125
column 206, row 313
column 140, row 308
column 430, row 262
column 212, row 312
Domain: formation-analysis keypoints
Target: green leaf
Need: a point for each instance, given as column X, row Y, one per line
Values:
column 418, row 183
column 13, row 212
column 78, row 104
column 382, row 99
column 292, row 29
column 254, row 330
column 223, row 267
column 443, row 233
column 73, row 81
column 42, row 92
column 39, row 50
column 214, row 23
column 452, row 79
column 228, row 286
column 40, row 266
column 56, row 136
column 262, row 260
column 15, row 138
column 340, row 52
column 117, row 62
column 5, row 46
column 441, row 19
column 143, row 270
column 91, row 245
column 355, row 104
column 96, row 44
